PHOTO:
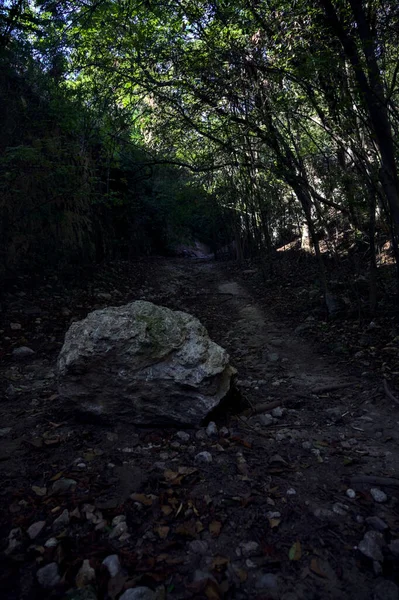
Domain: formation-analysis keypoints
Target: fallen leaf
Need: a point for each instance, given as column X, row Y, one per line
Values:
column 274, row 523
column 166, row 510
column 39, row 491
column 57, row 476
column 315, row 568
column 145, row 499
column 219, row 563
column 295, row 552
column 215, row 528
column 162, row 531
column 187, row 529
column 212, row 591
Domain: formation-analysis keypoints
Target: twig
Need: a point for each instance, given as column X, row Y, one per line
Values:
column 388, row 392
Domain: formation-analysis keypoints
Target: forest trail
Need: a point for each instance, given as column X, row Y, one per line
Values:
column 269, row 517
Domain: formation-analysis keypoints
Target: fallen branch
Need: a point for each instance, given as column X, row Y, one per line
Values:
column 264, row 408
column 388, row 392
column 332, row 387
column 375, row 480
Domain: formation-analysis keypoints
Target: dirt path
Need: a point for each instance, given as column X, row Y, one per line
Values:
column 269, row 517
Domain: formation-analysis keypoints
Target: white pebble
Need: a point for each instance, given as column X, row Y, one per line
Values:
column 350, row 493
column 378, row 495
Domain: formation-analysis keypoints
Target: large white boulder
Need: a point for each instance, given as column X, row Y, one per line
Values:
column 143, row 364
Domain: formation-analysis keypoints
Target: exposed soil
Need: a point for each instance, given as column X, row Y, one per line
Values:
column 269, row 517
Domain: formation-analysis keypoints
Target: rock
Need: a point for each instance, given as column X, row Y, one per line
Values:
column 394, row 548
column 376, row 523
column 22, row 352
column 15, row 538
column 118, row 530
column 63, row 485
column 48, row 576
column 201, row 435
column 371, row 545
column 249, row 549
column 51, row 543
column 5, row 431
column 350, row 493
column 138, row 593
column 378, row 495
column 35, row 529
column 212, row 430
column 323, row 513
column 118, row 519
column 224, row 432
column 198, row 547
column 86, row 593
column 86, row 575
column 183, row 436
column 61, row 522
column 104, row 296
column 291, row 492
column 265, row 420
column 203, row 458
column 386, row 590
column 278, row 412
column 113, row 565
column 340, row 509
column 273, row 357
column 15, row 326
column 267, row 581
column 120, row 361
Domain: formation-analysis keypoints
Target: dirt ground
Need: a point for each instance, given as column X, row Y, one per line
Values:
column 297, row 502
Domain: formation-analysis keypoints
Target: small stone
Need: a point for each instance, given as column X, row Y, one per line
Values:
column 386, row 590
column 113, row 565
column 198, row 547
column 394, row 548
column 340, row 509
column 251, row 564
column 138, row 593
column 117, row 531
column 201, row 435
column 273, row 357
column 278, row 412
column 212, row 430
column 265, row 420
column 306, row 445
column 51, row 543
column 224, row 432
column 15, row 326
column 63, row 485
column 273, row 514
column 371, row 545
column 376, row 523
column 81, row 466
column 291, row 492
column 183, row 436
column 86, row 575
column 5, row 431
column 267, row 581
column 118, row 519
column 15, row 538
column 378, row 495
column 203, row 458
column 249, row 549
column 35, row 529
column 48, row 576
column 323, row 513
column 350, row 493
column 62, row 521
column 22, row 352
